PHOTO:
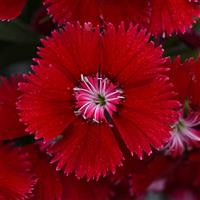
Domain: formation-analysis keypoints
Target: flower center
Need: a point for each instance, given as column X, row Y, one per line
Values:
column 95, row 97
column 185, row 134
column 185, row 124
column 179, row 126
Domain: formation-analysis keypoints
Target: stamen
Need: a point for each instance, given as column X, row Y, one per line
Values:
column 116, row 98
column 113, row 93
column 84, row 105
column 81, row 89
column 95, row 95
column 90, row 84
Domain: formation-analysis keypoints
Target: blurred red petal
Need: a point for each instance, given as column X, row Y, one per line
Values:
column 74, row 189
column 10, row 127
column 194, row 89
column 157, row 169
column 172, row 16
column 49, row 186
column 182, row 85
column 10, row 9
column 74, row 153
column 189, row 84
column 16, row 181
column 94, row 10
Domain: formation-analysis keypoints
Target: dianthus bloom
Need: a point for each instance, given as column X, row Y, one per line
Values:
column 94, row 95
column 160, row 17
column 185, row 134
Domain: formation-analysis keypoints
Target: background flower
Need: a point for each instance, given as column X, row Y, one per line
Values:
column 17, row 180
column 158, row 17
column 10, row 127
column 185, row 133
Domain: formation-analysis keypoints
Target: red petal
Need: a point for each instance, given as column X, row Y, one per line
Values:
column 172, row 16
column 66, row 51
column 10, row 9
column 16, row 181
column 146, row 117
column 49, row 186
column 189, row 84
column 10, row 127
column 194, row 89
column 92, row 10
column 81, row 190
column 127, row 55
column 181, row 86
column 51, row 103
column 87, row 149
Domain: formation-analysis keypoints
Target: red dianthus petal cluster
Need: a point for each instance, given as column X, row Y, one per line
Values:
column 103, row 114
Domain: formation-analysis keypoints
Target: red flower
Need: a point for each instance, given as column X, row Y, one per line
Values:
column 10, row 127
column 194, row 89
column 182, row 86
column 16, row 181
column 185, row 134
column 10, row 9
column 160, row 17
column 94, row 94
